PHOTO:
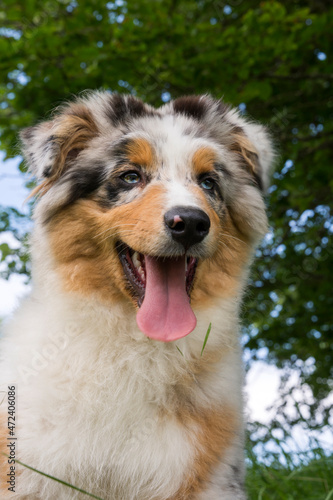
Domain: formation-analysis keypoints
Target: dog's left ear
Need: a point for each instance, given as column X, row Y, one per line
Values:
column 50, row 147
column 249, row 140
column 255, row 151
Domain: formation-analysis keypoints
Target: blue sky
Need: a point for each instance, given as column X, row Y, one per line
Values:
column 12, row 193
column 12, row 189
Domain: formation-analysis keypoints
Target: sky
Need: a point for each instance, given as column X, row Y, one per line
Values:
column 12, row 189
column 12, row 193
column 262, row 380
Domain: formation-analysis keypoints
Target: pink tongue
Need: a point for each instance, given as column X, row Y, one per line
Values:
column 165, row 313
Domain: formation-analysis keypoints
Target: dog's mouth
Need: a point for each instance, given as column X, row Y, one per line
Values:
column 162, row 288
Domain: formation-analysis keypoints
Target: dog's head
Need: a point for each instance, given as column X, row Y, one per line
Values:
column 158, row 207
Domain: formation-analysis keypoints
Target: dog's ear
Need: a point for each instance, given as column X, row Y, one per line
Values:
column 50, row 147
column 255, row 150
column 249, row 140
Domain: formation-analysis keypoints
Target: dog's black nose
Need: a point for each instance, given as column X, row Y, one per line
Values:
column 187, row 225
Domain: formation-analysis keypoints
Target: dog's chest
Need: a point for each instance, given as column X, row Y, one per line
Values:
column 123, row 423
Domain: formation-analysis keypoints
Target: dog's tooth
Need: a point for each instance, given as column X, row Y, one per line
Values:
column 136, row 260
column 141, row 272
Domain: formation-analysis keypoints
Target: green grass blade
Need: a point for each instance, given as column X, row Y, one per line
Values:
column 329, row 496
column 56, row 479
column 206, row 338
column 180, row 351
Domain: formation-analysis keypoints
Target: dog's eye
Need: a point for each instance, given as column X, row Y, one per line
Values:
column 131, row 177
column 207, row 184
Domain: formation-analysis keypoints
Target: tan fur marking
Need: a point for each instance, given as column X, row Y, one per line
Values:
column 203, row 160
column 140, row 152
column 220, row 275
column 87, row 263
column 214, row 432
column 245, row 148
column 83, row 238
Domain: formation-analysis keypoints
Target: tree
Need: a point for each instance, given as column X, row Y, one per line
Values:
column 270, row 59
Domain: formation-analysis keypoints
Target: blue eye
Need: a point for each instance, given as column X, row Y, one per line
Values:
column 207, row 184
column 131, row 177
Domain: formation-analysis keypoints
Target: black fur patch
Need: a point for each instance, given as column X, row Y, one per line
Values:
column 223, row 108
column 84, row 181
column 27, row 133
column 258, row 181
column 122, row 108
column 219, row 167
column 117, row 109
column 112, row 192
column 120, row 148
column 192, row 106
column 47, row 171
column 51, row 138
column 49, row 144
column 236, row 129
column 136, row 108
column 114, row 188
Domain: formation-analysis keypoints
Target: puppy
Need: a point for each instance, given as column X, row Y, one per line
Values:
column 125, row 358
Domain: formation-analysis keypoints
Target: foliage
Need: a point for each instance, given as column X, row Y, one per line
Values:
column 269, row 57
column 14, row 255
column 309, row 479
column 300, row 477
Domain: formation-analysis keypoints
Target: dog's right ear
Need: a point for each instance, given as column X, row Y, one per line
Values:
column 50, row 147
column 39, row 149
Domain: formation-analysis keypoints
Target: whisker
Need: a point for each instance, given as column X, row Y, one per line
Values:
column 224, row 244
column 123, row 233
column 132, row 218
column 112, row 228
column 233, row 237
column 115, row 234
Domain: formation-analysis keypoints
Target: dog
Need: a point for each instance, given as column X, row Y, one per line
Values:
column 125, row 361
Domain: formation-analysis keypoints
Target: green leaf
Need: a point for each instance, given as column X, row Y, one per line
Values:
column 55, row 479
column 206, row 338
